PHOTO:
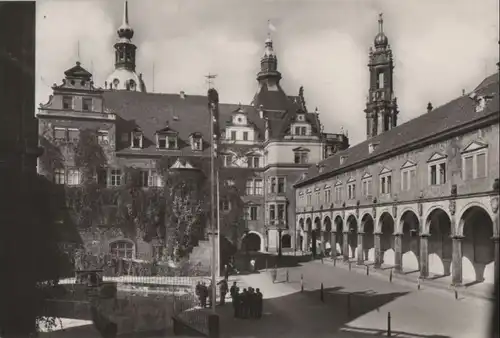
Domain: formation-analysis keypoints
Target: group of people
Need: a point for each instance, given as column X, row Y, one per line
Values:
column 204, row 293
column 246, row 304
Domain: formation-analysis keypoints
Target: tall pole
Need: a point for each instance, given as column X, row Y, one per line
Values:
column 217, row 261
column 212, row 206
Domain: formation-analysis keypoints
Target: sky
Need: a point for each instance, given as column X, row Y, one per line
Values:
column 440, row 47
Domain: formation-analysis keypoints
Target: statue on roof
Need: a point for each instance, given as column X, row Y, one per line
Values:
column 302, row 99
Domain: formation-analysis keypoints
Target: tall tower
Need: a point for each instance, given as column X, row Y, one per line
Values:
column 124, row 76
column 269, row 93
column 381, row 107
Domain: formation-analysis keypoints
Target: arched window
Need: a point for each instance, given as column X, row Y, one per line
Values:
column 132, row 84
column 116, row 82
column 122, row 249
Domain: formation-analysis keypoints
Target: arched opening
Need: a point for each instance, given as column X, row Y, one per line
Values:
column 252, row 242
column 387, row 239
column 368, row 238
column 352, row 237
column 122, row 249
column 339, row 236
column 308, row 235
column 478, row 249
column 327, row 225
column 440, row 243
column 316, row 237
column 410, row 241
column 286, row 241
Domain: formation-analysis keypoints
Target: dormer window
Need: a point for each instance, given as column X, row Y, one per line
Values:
column 196, row 141
column 67, row 102
column 86, row 104
column 136, row 139
column 166, row 138
column 302, row 131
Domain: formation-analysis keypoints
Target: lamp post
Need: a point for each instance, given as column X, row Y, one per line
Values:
column 245, row 220
column 280, row 231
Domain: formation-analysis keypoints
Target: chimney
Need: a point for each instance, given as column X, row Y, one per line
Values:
column 182, row 94
column 429, row 107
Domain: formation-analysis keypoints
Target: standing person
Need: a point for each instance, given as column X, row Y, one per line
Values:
column 252, row 265
column 233, row 289
column 223, row 291
column 204, row 294
column 198, row 292
column 251, row 303
column 274, row 273
column 236, row 302
column 244, row 304
column 210, row 295
column 259, row 303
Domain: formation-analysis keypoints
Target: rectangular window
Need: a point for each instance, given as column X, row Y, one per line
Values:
column 172, row 142
column 249, row 187
column 272, row 212
column 303, row 131
column 136, row 140
column 385, row 184
column 338, row 194
column 245, row 136
column 351, row 189
column 59, row 176
column 102, row 137
column 259, row 187
column 328, row 196
column 197, row 143
column 297, row 130
column 253, row 213
column 442, row 173
column 437, row 174
column 67, row 102
column 433, row 177
column 145, row 178
column 309, row 199
column 228, row 160
column 281, row 211
column 116, row 177
column 233, row 135
column 154, row 179
column 73, row 135
column 73, row 177
column 256, row 162
column 380, row 81
column 481, row 165
column 60, row 134
column 86, row 104
column 281, row 185
column 404, row 181
column 272, row 186
column 367, row 187
column 162, row 142
column 469, row 168
column 300, row 158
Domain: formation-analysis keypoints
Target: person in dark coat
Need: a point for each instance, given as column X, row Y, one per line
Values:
column 244, row 304
column 236, row 302
column 223, row 291
column 198, row 292
column 259, row 302
column 204, row 295
column 233, row 289
column 251, row 303
column 211, row 299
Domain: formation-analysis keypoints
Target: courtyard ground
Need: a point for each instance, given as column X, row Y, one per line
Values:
column 290, row 313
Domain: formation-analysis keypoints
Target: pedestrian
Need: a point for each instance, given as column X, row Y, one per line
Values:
column 232, row 291
column 259, row 302
column 211, row 299
column 204, row 294
column 223, row 291
column 252, row 302
column 244, row 304
column 252, row 265
column 198, row 292
column 274, row 273
column 236, row 303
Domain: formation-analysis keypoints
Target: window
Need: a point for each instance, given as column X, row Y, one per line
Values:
column 197, row 143
column 122, row 249
column 154, row 179
column 338, row 193
column 249, row 187
column 73, row 135
column 102, row 137
column 116, row 177
column 60, row 134
column 318, row 197
column 245, row 136
column 253, row 161
column 474, row 166
column 328, row 195
column 229, row 182
column 259, row 187
column 228, row 160
column 67, row 102
column 351, row 191
column 233, row 135
column 59, row 176
column 272, row 212
column 303, row 131
column 86, row 104
column 386, row 184
column 309, row 198
column 297, row 130
column 73, row 177
column 408, row 179
column 437, row 174
column 136, row 140
column 281, row 185
column 225, row 205
column 281, row 211
column 172, row 142
column 252, row 213
column 380, row 82
column 366, row 187
column 272, row 186
column 300, row 157
column 144, row 178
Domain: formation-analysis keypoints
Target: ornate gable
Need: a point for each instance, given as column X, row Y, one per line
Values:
column 474, row 146
column 408, row 164
column 436, row 157
column 366, row 175
column 385, row 170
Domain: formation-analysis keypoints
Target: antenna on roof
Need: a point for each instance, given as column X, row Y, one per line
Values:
column 210, row 79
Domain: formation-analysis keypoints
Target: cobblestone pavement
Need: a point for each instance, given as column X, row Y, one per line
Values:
column 291, row 313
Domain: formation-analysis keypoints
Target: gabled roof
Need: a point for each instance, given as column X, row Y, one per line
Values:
column 456, row 113
column 78, row 71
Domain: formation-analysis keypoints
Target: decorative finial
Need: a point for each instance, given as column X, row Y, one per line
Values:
column 381, row 23
column 429, row 107
column 125, row 14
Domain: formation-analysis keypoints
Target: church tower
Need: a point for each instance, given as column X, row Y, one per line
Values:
column 269, row 94
column 381, row 107
column 124, row 76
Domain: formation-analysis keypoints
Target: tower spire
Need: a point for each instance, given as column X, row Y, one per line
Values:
column 381, row 22
column 125, row 14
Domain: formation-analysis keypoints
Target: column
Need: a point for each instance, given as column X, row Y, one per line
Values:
column 345, row 246
column 359, row 249
column 424, row 255
column 305, row 241
column 333, row 243
column 323, row 244
column 456, row 278
column 496, row 240
column 378, row 255
column 398, row 251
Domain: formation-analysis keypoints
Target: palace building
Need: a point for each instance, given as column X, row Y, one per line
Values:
column 420, row 196
column 272, row 140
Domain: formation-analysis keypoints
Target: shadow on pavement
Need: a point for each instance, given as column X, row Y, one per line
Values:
column 359, row 332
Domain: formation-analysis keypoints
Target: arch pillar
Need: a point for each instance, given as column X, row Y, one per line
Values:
column 333, row 244
column 398, row 251
column 359, row 249
column 496, row 240
column 424, row 255
column 456, row 261
column 378, row 252
column 345, row 246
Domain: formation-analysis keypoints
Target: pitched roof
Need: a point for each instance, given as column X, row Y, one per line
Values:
column 456, row 113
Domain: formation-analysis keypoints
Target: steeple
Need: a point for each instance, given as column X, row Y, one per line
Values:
column 124, row 76
column 269, row 62
column 381, row 107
